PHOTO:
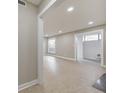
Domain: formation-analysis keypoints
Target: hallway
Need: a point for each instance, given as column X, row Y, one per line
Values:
column 62, row 76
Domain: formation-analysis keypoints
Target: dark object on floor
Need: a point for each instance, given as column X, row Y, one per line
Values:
column 101, row 83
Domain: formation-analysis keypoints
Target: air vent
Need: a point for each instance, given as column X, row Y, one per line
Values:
column 22, row 2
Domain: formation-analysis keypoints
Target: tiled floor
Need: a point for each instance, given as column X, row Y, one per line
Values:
column 63, row 76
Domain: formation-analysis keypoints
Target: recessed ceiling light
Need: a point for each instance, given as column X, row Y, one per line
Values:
column 46, row 35
column 90, row 23
column 70, row 9
column 60, row 31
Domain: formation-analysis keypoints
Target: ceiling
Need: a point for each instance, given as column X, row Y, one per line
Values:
column 84, row 11
column 35, row 2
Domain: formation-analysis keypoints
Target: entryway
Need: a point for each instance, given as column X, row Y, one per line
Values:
column 89, row 46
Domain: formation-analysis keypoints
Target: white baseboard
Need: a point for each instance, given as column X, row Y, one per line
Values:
column 66, row 58
column 27, row 85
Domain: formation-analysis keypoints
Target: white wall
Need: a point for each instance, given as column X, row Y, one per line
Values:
column 65, row 42
column 91, row 49
column 65, row 45
column 27, row 43
column 45, row 46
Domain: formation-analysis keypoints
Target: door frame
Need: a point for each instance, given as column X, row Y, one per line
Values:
column 76, row 38
column 40, row 42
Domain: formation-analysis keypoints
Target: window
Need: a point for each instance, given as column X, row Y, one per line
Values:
column 52, row 45
column 92, row 37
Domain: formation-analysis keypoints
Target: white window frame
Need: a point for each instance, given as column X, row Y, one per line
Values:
column 85, row 39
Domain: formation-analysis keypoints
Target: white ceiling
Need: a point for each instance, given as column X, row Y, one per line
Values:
column 35, row 2
column 84, row 11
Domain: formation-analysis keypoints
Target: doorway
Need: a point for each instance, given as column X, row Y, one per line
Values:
column 89, row 46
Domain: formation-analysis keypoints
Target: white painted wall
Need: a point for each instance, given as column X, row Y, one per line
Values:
column 66, row 47
column 27, row 43
column 45, row 45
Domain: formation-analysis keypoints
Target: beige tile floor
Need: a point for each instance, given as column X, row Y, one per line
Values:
column 63, row 76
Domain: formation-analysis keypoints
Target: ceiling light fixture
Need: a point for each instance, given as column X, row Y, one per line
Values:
column 90, row 23
column 60, row 31
column 70, row 9
column 46, row 35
